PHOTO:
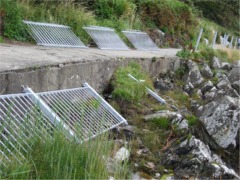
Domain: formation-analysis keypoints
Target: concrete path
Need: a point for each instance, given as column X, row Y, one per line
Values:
column 16, row 57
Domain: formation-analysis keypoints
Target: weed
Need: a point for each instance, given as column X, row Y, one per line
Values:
column 181, row 71
column 181, row 98
column 184, row 53
column 192, row 120
column 163, row 123
column 127, row 89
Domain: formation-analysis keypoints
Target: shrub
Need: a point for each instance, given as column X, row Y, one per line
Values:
column 185, row 53
column 13, row 26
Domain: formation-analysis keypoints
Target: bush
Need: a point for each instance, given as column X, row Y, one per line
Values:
column 13, row 26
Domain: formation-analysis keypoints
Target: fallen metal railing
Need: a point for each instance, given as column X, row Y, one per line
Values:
column 140, row 40
column 106, row 38
column 81, row 113
column 153, row 94
column 47, row 34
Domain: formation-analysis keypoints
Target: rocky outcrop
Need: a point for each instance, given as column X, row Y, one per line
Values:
column 193, row 158
column 193, row 76
column 221, row 120
column 206, row 71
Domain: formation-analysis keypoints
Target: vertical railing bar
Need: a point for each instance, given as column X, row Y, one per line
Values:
column 198, row 39
column 62, row 37
column 89, row 96
column 230, row 45
column 214, row 39
column 86, row 115
column 51, row 115
column 10, row 152
column 10, row 143
column 86, row 107
column 45, row 96
column 40, row 34
column 71, row 37
column 27, row 101
column 113, row 111
column 21, row 119
column 24, row 120
column 47, row 31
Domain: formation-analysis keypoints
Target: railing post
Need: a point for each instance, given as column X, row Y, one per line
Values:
column 214, row 39
column 198, row 40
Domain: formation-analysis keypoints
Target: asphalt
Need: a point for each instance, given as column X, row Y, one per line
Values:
column 18, row 57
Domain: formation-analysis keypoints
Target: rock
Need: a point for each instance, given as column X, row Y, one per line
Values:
column 236, row 86
column 206, row 71
column 157, row 175
column 161, row 114
column 223, row 83
column 163, row 85
column 111, row 178
column 193, row 76
column 207, row 86
column 128, row 131
column 216, row 63
column 143, row 151
column 229, row 91
column 122, row 155
column 188, row 87
column 221, row 120
column 194, row 105
column 150, row 165
column 194, row 158
column 234, row 75
column 181, row 123
column 226, row 66
column 209, row 95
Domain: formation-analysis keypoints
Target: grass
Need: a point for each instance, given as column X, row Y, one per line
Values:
column 192, row 120
column 126, row 89
column 52, row 154
column 163, row 123
column 181, row 98
column 61, row 159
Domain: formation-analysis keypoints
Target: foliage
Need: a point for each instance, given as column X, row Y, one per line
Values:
column 172, row 16
column 13, row 27
column 181, row 71
column 61, row 159
column 184, row 53
column 126, row 89
column 163, row 123
column 192, row 120
column 180, row 97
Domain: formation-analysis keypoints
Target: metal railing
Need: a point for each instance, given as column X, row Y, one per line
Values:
column 81, row 113
column 106, row 38
column 47, row 34
column 140, row 40
column 152, row 93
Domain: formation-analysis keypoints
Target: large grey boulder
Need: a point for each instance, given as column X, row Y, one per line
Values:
column 226, row 66
column 236, row 86
column 234, row 75
column 216, row 63
column 221, row 120
column 207, row 86
column 206, row 71
column 194, row 158
column 193, row 76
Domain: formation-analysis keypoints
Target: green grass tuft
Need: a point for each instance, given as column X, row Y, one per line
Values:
column 192, row 120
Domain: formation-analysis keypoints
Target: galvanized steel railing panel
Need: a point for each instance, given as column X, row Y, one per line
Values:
column 47, row 34
column 140, row 40
column 106, row 38
column 80, row 112
column 21, row 121
column 83, row 111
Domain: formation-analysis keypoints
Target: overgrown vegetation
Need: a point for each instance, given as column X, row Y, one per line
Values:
column 58, row 158
column 179, row 20
column 127, row 89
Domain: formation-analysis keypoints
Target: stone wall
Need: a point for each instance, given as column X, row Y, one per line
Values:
column 71, row 75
